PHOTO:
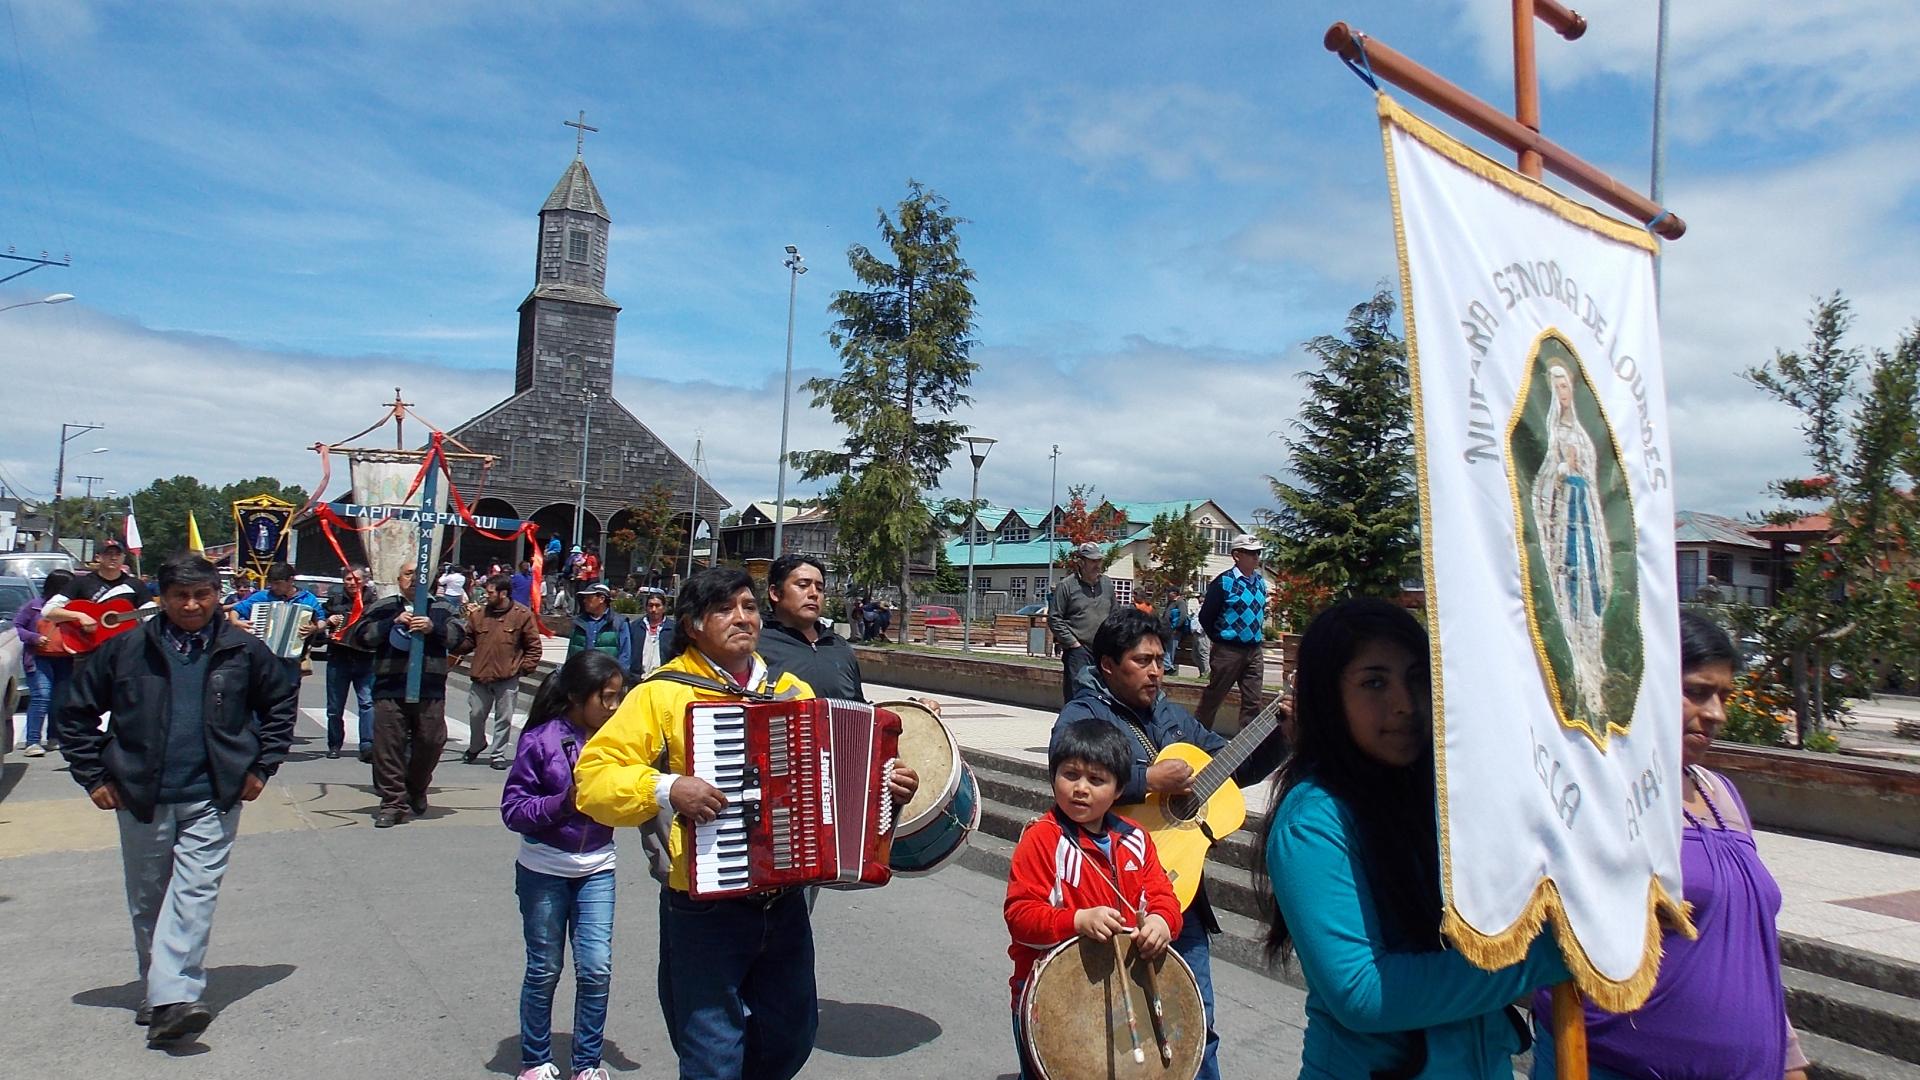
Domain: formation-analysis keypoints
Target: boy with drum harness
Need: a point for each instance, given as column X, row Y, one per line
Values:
column 1081, row 870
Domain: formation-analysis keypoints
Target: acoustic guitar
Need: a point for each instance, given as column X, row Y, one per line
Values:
column 111, row 619
column 1185, row 827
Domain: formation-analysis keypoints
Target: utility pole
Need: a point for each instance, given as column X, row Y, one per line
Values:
column 1657, row 190
column 68, row 433
column 693, row 520
column 1053, row 503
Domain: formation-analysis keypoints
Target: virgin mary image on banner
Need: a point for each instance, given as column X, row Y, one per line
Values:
column 1576, row 528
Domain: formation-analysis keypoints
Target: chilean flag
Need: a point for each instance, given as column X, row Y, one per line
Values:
column 133, row 529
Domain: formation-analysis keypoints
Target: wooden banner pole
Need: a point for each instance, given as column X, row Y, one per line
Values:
column 1569, row 1033
column 1564, row 21
column 1526, row 83
column 1393, row 66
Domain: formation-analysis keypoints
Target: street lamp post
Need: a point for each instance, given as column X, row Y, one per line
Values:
column 56, row 298
column 60, row 470
column 580, row 502
column 796, row 265
column 978, row 447
column 1053, row 501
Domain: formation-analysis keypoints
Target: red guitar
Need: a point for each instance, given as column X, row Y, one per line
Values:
column 111, row 619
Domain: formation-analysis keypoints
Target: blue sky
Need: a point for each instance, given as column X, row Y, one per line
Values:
column 279, row 210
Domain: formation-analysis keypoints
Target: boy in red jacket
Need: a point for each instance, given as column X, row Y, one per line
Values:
column 1082, row 870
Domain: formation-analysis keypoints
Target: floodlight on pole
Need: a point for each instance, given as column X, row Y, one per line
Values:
column 796, row 265
column 56, row 298
column 978, row 446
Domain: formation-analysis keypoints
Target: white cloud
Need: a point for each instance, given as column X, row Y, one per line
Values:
column 1147, row 421
column 1173, row 132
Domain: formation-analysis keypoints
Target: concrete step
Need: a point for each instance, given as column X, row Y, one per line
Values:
column 1836, row 1060
column 1872, row 1019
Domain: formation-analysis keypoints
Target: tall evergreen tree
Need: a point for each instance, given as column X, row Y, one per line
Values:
column 1347, row 518
column 905, row 341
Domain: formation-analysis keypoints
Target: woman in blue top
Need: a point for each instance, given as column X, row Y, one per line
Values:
column 1352, row 854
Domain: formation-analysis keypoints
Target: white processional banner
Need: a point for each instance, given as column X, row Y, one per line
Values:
column 385, row 479
column 1546, row 512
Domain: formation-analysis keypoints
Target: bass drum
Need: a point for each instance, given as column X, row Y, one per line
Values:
column 1073, row 1020
column 927, row 747
column 940, row 841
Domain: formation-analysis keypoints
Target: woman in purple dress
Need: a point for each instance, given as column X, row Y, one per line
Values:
column 1718, row 1009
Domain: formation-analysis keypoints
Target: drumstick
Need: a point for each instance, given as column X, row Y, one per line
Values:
column 1126, row 995
column 1159, row 1016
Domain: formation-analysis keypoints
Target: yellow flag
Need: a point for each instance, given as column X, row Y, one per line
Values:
column 193, row 536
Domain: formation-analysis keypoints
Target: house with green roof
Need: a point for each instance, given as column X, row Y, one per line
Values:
column 1017, row 553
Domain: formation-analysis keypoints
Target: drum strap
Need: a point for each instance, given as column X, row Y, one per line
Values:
column 687, row 679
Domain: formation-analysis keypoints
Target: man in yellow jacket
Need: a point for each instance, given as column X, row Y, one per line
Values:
column 736, row 976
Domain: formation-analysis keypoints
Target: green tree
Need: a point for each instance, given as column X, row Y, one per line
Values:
column 1348, row 518
column 1089, row 519
column 653, row 532
column 1852, row 597
column 1176, row 551
column 162, row 507
column 905, row 341
column 947, row 578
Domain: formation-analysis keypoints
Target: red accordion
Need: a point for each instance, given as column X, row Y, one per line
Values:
column 807, row 803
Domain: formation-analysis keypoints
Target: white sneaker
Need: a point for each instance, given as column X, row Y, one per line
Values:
column 595, row 1073
column 545, row 1071
column 34, row 749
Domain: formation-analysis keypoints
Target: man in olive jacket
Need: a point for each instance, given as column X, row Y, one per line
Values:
column 202, row 716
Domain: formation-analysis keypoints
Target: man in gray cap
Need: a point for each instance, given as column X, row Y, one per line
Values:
column 1080, row 603
column 1234, row 616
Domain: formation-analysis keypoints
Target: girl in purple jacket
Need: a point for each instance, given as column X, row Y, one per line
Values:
column 564, row 872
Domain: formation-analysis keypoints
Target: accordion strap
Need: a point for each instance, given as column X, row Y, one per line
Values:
column 718, row 687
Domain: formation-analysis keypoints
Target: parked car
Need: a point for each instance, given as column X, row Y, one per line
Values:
column 14, row 591
column 936, row 615
column 1032, row 610
column 36, row 565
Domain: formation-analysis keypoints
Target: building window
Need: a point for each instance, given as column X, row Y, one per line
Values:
column 577, row 245
column 1017, row 588
column 1015, row 531
column 982, row 584
column 1758, row 567
column 1221, row 538
column 979, row 536
column 1123, row 590
column 1720, row 567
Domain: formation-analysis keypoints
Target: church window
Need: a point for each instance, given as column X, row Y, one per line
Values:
column 1122, row 590
column 1015, row 531
column 576, row 245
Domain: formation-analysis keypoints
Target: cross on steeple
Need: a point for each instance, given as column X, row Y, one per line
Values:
column 580, row 135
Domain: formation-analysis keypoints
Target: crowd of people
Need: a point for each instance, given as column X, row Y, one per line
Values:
column 203, row 715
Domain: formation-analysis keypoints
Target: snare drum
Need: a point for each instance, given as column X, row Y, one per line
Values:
column 934, row 825
column 1073, row 1023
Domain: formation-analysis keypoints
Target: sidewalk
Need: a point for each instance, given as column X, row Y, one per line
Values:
column 1858, row 897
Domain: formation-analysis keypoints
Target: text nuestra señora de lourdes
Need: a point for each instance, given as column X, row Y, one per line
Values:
column 1544, row 279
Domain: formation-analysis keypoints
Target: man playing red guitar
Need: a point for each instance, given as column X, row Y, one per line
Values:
column 1129, row 656
column 109, row 580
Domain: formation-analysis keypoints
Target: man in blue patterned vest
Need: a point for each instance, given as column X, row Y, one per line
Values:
column 1233, row 617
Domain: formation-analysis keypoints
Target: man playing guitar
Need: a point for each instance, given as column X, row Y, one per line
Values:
column 1129, row 658
column 109, row 580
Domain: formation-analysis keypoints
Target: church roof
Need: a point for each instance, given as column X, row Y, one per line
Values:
column 575, row 191
column 578, row 294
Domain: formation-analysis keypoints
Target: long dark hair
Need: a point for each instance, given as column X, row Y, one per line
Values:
column 1703, row 642
column 581, row 677
column 1392, row 807
column 56, row 583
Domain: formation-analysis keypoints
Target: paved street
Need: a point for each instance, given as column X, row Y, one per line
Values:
column 339, row 951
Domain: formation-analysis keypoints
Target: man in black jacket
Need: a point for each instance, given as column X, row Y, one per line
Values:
column 407, row 735
column 203, row 714
column 349, row 669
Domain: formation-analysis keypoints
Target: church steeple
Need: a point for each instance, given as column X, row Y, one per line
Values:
column 569, row 292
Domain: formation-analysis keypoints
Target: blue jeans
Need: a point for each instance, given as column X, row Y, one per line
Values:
column 1192, row 947
column 736, row 985
column 40, row 682
column 551, row 909
column 345, row 669
column 1173, row 651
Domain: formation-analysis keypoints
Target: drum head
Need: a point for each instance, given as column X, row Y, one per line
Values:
column 930, row 750
column 1075, row 1021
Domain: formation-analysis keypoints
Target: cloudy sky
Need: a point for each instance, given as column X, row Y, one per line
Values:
column 279, row 211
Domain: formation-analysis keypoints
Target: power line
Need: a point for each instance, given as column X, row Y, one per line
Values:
column 33, row 125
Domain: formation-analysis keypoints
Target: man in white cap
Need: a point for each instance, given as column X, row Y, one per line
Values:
column 1234, row 617
column 1081, row 602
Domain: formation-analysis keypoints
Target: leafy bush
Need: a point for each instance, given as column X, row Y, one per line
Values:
column 1821, row 742
column 1758, row 713
column 629, row 605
